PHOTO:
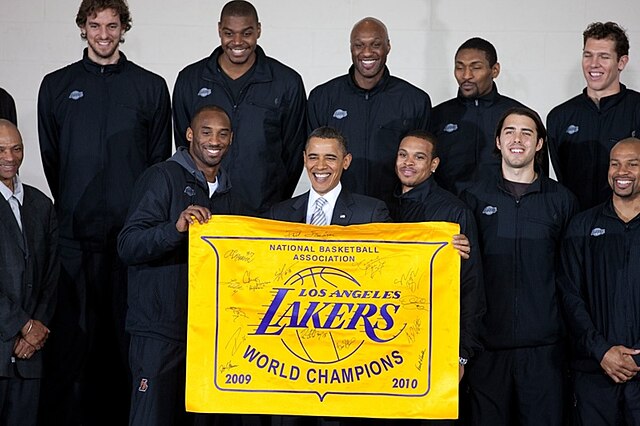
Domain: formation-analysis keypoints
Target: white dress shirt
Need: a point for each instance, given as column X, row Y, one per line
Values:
column 331, row 197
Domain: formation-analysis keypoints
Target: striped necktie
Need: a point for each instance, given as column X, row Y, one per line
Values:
column 319, row 218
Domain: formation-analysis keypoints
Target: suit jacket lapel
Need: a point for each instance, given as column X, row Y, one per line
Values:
column 299, row 209
column 342, row 211
column 10, row 224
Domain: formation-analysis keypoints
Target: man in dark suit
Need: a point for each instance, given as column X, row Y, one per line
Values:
column 327, row 202
column 28, row 278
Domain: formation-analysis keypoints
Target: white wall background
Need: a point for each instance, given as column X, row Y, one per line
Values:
column 539, row 44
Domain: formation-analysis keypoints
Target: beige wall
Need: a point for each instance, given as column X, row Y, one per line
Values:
column 538, row 43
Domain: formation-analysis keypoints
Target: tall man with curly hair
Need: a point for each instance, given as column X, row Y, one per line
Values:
column 102, row 121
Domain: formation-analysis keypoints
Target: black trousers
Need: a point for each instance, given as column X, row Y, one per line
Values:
column 521, row 386
column 19, row 401
column 86, row 377
column 599, row 401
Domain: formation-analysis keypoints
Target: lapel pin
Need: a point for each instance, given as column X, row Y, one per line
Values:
column 342, row 216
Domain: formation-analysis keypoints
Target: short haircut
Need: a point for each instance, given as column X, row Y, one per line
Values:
column 425, row 136
column 374, row 21
column 483, row 45
column 8, row 124
column 89, row 8
column 541, row 131
column 326, row 132
column 610, row 31
column 627, row 141
column 239, row 8
column 205, row 108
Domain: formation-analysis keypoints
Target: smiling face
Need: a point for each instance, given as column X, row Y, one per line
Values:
column 518, row 142
column 209, row 138
column 602, row 67
column 11, row 152
column 369, row 49
column 238, row 38
column 104, row 32
column 415, row 162
column 325, row 160
column 624, row 170
column 473, row 73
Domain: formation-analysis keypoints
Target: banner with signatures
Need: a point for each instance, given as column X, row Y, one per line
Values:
column 288, row 318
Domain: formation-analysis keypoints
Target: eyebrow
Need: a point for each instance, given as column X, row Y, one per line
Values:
column 477, row 61
column 514, row 128
column 251, row 27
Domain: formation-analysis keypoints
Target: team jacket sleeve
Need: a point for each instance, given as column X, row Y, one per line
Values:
column 425, row 116
column 294, row 136
column 180, row 112
column 553, row 138
column 48, row 135
column 159, row 147
column 571, row 286
column 472, row 297
column 149, row 233
column 50, row 274
column 314, row 112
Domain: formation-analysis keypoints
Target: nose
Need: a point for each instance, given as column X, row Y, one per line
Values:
column 103, row 32
column 623, row 169
column 592, row 61
column 237, row 38
column 467, row 74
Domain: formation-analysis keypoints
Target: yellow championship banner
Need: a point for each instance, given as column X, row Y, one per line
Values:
column 288, row 318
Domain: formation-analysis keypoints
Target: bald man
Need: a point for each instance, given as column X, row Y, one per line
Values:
column 601, row 296
column 372, row 109
column 28, row 279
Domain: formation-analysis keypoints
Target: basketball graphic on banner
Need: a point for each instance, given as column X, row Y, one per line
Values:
column 320, row 281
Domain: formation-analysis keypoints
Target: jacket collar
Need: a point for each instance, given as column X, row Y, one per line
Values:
column 382, row 84
column 609, row 210
column 486, row 100
column 607, row 102
column 183, row 158
column 535, row 186
column 419, row 193
column 95, row 68
column 261, row 74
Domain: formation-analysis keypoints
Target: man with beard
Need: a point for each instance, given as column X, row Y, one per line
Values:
column 601, row 296
column 265, row 99
column 583, row 129
column 102, row 121
column 169, row 197
column 420, row 199
column 465, row 125
column 372, row 109
column 521, row 216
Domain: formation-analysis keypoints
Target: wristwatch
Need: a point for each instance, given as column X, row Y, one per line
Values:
column 463, row 361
